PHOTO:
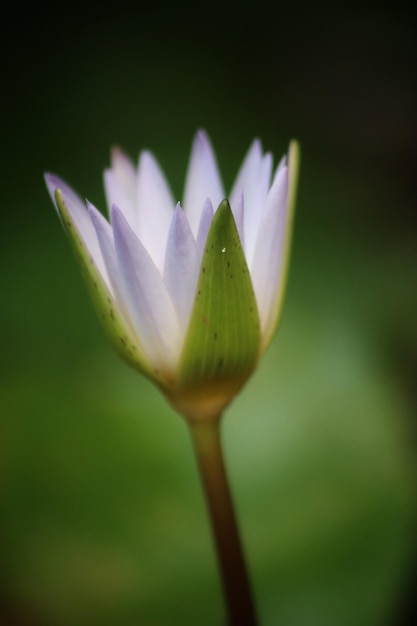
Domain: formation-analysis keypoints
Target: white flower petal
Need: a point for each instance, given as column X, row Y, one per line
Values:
column 180, row 271
column 117, row 194
column 281, row 164
column 267, row 264
column 203, row 180
column 239, row 215
column 147, row 298
column 123, row 333
column 105, row 237
column 253, row 179
column 246, row 182
column 78, row 211
column 120, row 185
column 248, row 170
column 155, row 206
column 203, row 229
column 125, row 172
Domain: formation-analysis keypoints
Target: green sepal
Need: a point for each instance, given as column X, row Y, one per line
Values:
column 115, row 327
column 222, row 343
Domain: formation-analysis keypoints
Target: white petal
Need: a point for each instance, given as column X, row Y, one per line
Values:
column 117, row 194
column 203, row 228
column 147, row 298
column 125, row 172
column 120, row 185
column 267, row 265
column 253, row 179
column 238, row 214
column 248, row 169
column 281, row 164
column 105, row 237
column 79, row 214
column 203, row 180
column 180, row 271
column 155, row 206
column 245, row 183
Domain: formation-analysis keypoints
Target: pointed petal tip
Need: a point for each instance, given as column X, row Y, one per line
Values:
column 267, row 157
column 56, row 184
column 116, row 151
column 179, row 218
column 177, row 213
column 52, row 181
column 115, row 213
column 118, row 220
column 119, row 156
column 48, row 176
column 202, row 139
column 207, row 204
column 257, row 145
column 93, row 211
column 146, row 158
column 255, row 148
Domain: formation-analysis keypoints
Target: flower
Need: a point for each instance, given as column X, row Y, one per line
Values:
column 190, row 295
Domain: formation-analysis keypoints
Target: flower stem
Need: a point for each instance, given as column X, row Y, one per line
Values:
column 233, row 570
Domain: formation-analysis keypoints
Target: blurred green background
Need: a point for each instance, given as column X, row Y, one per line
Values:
column 102, row 520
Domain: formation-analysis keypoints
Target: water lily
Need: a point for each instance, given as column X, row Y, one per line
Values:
column 190, row 294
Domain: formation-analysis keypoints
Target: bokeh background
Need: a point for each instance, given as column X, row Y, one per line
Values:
column 102, row 520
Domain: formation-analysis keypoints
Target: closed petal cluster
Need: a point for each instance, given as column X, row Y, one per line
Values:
column 145, row 258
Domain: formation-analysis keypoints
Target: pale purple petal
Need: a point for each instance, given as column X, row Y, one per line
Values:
column 118, row 194
column 203, row 180
column 105, row 237
column 79, row 214
column 238, row 214
column 120, row 185
column 248, row 170
column 267, row 266
column 203, row 229
column 155, row 206
column 125, row 172
column 281, row 164
column 147, row 299
column 180, row 271
column 265, row 175
column 253, row 179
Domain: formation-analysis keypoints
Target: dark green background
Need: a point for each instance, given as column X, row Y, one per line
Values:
column 102, row 519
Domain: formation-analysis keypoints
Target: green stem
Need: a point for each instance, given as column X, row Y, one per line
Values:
column 234, row 575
